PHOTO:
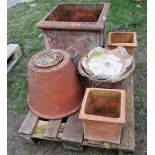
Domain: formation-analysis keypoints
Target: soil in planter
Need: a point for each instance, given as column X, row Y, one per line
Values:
column 105, row 107
column 76, row 14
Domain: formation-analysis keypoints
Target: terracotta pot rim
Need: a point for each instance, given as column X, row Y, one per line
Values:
column 120, row 119
column 56, row 116
column 122, row 44
column 102, row 119
column 93, row 26
column 134, row 44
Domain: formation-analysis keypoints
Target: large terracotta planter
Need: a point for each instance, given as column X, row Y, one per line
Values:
column 54, row 92
column 125, row 39
column 103, row 114
column 75, row 27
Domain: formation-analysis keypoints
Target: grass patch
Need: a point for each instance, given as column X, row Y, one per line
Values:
column 140, row 81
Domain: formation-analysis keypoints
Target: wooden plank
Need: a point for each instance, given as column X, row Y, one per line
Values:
column 124, row 153
column 73, row 131
column 72, row 146
column 94, row 143
column 29, row 139
column 28, row 124
column 128, row 133
column 60, row 131
column 11, row 49
column 52, row 129
column 42, row 126
column 13, row 54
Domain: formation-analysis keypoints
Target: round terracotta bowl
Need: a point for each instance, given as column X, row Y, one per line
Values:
column 54, row 92
column 89, row 81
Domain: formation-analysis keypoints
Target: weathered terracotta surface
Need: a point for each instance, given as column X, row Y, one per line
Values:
column 89, row 81
column 125, row 39
column 54, row 92
column 75, row 26
column 103, row 114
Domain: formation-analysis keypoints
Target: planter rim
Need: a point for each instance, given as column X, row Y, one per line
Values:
column 121, row 78
column 134, row 44
column 120, row 119
column 93, row 26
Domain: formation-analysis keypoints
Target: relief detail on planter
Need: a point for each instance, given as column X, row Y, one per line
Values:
column 125, row 39
column 55, row 90
column 103, row 114
column 77, row 26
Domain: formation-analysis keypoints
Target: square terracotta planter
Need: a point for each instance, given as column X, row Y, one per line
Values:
column 75, row 27
column 125, row 39
column 103, row 114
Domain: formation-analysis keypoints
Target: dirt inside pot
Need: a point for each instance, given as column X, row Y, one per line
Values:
column 105, row 104
column 76, row 13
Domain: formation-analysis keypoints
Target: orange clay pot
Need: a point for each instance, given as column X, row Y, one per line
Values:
column 103, row 114
column 126, row 39
column 54, row 92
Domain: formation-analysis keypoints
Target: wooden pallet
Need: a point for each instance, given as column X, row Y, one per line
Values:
column 69, row 131
column 13, row 54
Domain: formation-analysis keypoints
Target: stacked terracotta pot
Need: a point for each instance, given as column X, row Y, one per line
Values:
column 54, row 91
column 105, row 68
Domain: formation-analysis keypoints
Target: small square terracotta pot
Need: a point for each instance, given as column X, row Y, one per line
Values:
column 103, row 114
column 126, row 39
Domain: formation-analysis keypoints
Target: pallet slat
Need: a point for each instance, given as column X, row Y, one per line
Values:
column 128, row 137
column 73, row 131
column 52, row 129
column 13, row 54
column 94, row 143
column 28, row 124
